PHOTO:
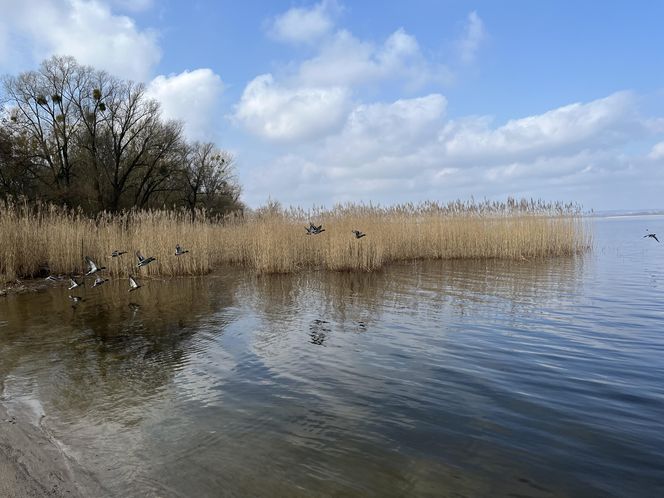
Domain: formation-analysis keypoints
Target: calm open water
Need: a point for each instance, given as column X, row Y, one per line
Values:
column 455, row 378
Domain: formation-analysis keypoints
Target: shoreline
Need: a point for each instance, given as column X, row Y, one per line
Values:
column 26, row 286
column 32, row 464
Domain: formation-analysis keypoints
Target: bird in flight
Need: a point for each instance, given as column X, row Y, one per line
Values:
column 133, row 284
column 652, row 236
column 92, row 266
column 142, row 260
column 313, row 229
column 358, row 234
column 99, row 281
column 179, row 251
column 73, row 283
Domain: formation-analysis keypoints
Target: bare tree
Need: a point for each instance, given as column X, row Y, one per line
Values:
column 208, row 174
column 132, row 139
column 91, row 106
column 42, row 110
column 163, row 157
column 16, row 178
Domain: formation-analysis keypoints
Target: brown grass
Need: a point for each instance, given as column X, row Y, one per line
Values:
column 39, row 239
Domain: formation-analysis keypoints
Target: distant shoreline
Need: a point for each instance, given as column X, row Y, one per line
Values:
column 624, row 214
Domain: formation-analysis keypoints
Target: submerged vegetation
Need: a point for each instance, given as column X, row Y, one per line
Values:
column 36, row 240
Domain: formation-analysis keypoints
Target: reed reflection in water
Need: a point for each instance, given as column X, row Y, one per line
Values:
column 446, row 378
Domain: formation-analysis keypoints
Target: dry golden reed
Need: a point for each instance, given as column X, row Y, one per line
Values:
column 39, row 239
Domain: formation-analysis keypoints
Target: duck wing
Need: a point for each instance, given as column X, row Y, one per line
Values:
column 91, row 264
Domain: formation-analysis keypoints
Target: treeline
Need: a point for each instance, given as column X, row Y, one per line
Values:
column 80, row 137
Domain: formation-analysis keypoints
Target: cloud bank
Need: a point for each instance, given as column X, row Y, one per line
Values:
column 407, row 150
column 33, row 30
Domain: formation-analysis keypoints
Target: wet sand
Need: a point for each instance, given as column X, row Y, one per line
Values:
column 32, row 465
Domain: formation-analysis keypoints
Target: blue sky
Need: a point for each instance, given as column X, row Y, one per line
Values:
column 332, row 101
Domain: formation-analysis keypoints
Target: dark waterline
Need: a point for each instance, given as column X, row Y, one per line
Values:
column 454, row 378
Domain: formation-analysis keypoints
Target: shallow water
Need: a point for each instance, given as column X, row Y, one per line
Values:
column 455, row 378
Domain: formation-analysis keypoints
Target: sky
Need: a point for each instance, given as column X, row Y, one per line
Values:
column 388, row 101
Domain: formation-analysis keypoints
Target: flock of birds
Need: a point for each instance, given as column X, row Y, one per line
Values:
column 141, row 261
column 94, row 269
column 316, row 229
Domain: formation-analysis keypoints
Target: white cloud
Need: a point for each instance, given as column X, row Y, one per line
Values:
column 657, row 151
column 474, row 35
column 376, row 151
column 346, row 60
column 411, row 136
column 280, row 113
column 407, row 151
column 193, row 97
column 315, row 98
column 568, row 128
column 87, row 30
column 380, row 130
column 304, row 25
column 312, row 98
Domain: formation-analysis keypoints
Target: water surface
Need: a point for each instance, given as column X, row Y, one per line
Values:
column 453, row 378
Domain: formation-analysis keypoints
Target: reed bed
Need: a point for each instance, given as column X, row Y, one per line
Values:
column 36, row 240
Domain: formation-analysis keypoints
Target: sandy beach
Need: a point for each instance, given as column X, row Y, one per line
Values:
column 32, row 465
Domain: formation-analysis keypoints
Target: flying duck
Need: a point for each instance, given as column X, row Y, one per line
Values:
column 92, row 266
column 73, row 283
column 99, row 281
column 179, row 251
column 116, row 254
column 133, row 284
column 314, row 230
column 358, row 234
column 142, row 260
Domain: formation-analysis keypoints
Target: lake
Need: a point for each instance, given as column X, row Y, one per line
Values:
column 439, row 378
